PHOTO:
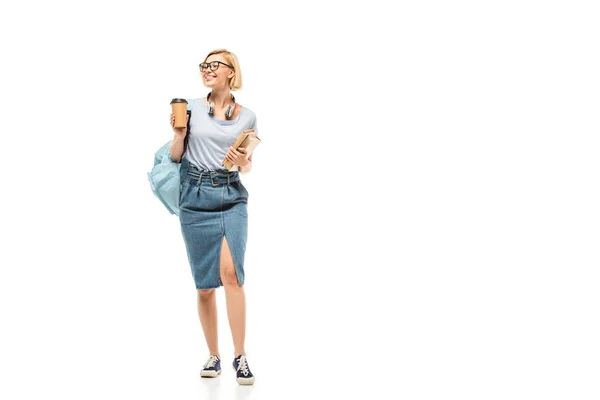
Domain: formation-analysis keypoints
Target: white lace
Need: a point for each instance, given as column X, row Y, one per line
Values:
column 212, row 361
column 243, row 365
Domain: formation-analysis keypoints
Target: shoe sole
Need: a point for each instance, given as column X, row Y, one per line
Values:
column 210, row 374
column 243, row 381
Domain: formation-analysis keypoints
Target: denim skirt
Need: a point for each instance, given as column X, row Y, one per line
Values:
column 212, row 204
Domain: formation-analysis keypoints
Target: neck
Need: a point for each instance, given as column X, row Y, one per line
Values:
column 221, row 97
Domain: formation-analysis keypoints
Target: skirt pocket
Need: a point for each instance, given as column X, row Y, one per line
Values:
column 242, row 189
column 182, row 189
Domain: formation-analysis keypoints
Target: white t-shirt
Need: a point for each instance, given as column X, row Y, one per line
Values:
column 210, row 137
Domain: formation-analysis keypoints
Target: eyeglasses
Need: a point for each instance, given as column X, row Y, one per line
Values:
column 213, row 66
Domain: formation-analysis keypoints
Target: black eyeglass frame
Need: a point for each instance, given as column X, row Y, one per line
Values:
column 210, row 64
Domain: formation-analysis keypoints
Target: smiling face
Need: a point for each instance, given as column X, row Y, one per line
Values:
column 220, row 77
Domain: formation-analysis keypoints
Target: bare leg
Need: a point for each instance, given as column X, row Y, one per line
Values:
column 236, row 300
column 207, row 311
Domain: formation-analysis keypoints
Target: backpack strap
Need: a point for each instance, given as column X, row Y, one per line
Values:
column 190, row 106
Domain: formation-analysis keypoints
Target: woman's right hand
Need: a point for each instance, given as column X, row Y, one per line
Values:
column 179, row 131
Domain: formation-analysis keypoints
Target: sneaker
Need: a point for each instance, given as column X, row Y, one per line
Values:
column 212, row 367
column 244, row 376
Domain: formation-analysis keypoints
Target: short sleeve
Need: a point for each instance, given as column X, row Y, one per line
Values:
column 190, row 104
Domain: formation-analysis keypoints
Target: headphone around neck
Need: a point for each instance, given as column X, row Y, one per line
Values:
column 228, row 110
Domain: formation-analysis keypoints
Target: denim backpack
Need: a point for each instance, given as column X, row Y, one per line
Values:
column 164, row 176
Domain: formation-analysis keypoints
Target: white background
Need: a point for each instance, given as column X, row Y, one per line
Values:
column 423, row 220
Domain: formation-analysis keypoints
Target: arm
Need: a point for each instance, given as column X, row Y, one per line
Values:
column 236, row 157
column 248, row 167
column 176, row 148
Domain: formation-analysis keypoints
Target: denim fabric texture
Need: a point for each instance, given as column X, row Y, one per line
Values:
column 212, row 204
column 164, row 176
column 165, row 179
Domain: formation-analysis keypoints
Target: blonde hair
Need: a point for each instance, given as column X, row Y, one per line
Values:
column 235, row 83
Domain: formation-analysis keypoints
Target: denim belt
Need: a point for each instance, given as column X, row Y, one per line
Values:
column 217, row 178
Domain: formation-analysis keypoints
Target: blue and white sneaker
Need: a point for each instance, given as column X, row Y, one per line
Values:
column 244, row 376
column 212, row 367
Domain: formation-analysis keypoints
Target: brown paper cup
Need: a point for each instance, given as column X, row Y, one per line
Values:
column 179, row 108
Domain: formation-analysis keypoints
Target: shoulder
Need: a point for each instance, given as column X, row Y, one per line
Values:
column 251, row 119
column 195, row 101
column 248, row 113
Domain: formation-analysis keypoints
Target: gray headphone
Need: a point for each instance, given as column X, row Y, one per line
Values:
column 228, row 110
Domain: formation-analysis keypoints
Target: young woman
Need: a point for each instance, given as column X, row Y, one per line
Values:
column 213, row 204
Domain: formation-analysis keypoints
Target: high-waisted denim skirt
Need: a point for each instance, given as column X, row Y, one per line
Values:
column 212, row 204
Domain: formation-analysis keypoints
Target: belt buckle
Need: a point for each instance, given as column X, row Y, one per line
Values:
column 212, row 181
column 211, row 173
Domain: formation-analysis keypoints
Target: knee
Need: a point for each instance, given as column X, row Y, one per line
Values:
column 229, row 277
column 205, row 294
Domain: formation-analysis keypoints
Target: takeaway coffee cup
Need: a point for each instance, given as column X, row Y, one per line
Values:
column 179, row 108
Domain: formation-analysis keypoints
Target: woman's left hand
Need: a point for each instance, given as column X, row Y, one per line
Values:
column 238, row 157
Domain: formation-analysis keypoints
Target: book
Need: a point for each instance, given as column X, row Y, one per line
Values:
column 248, row 140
